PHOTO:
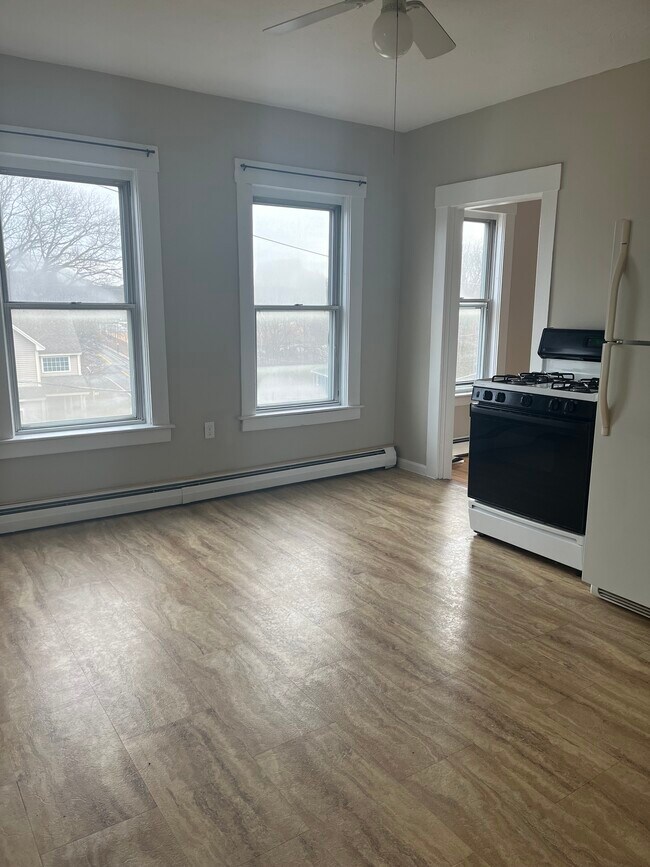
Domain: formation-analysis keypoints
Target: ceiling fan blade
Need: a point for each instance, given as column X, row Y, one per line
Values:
column 315, row 17
column 428, row 34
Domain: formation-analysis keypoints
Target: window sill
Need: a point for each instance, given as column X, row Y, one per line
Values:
column 299, row 417
column 53, row 443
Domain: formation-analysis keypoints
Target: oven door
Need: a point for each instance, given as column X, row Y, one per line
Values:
column 534, row 466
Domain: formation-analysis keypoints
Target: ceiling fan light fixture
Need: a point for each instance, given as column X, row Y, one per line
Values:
column 400, row 24
column 392, row 32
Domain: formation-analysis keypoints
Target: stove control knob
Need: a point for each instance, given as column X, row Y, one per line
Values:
column 501, row 397
column 487, row 395
column 526, row 400
column 570, row 406
column 554, row 404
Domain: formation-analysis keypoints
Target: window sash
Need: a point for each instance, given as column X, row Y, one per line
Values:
column 130, row 305
column 488, row 255
column 75, row 424
column 333, row 358
column 484, row 306
column 485, row 303
column 334, row 306
column 334, row 274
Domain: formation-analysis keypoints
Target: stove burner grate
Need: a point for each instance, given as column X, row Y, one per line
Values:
column 536, row 378
column 584, row 386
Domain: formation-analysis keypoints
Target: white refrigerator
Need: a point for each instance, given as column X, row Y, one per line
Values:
column 617, row 542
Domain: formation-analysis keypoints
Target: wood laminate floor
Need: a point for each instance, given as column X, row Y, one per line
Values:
column 335, row 673
column 460, row 471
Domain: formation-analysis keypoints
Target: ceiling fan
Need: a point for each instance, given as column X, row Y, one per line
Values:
column 400, row 24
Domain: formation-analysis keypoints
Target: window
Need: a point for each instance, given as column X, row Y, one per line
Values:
column 78, row 334
column 55, row 363
column 477, row 298
column 300, row 284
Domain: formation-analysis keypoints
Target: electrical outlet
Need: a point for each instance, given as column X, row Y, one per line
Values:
column 208, row 428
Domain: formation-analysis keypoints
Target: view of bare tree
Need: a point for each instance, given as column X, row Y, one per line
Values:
column 56, row 228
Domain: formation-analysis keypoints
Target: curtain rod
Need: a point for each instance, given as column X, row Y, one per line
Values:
column 244, row 166
column 121, row 147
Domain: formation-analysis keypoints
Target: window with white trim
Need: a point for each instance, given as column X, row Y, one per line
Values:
column 476, row 316
column 79, row 229
column 301, row 235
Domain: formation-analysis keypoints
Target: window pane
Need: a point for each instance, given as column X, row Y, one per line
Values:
column 97, row 382
column 469, row 344
column 291, row 254
column 293, row 357
column 62, row 239
column 473, row 272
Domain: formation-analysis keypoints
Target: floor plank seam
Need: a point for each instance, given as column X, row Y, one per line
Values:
column 99, row 831
column 120, row 740
column 29, row 821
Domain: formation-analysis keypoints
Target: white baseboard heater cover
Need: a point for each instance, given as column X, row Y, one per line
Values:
column 557, row 545
column 28, row 516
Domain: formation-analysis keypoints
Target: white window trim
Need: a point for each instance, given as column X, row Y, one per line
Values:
column 54, row 443
column 541, row 183
column 266, row 179
column 499, row 298
column 61, row 153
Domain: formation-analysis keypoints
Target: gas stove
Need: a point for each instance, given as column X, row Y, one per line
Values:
column 536, row 382
column 530, row 447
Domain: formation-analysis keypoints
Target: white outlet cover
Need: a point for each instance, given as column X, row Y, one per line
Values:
column 209, row 430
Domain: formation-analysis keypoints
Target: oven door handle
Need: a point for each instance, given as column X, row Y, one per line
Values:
column 504, row 414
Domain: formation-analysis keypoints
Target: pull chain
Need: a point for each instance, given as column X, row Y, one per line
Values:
column 395, row 85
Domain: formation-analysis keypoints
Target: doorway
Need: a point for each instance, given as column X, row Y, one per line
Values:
column 497, row 295
column 480, row 201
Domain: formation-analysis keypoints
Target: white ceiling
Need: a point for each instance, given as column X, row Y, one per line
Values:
column 506, row 48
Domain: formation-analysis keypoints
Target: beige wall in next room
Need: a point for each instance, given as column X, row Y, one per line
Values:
column 522, row 288
column 520, row 307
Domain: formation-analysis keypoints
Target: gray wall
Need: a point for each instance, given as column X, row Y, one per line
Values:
column 199, row 136
column 599, row 129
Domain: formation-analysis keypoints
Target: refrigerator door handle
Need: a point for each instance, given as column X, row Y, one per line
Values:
column 623, row 233
column 603, row 406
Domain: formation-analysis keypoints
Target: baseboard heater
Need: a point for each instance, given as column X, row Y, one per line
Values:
column 28, row 516
column 621, row 601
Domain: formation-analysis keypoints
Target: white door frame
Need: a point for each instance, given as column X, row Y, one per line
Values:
column 451, row 200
